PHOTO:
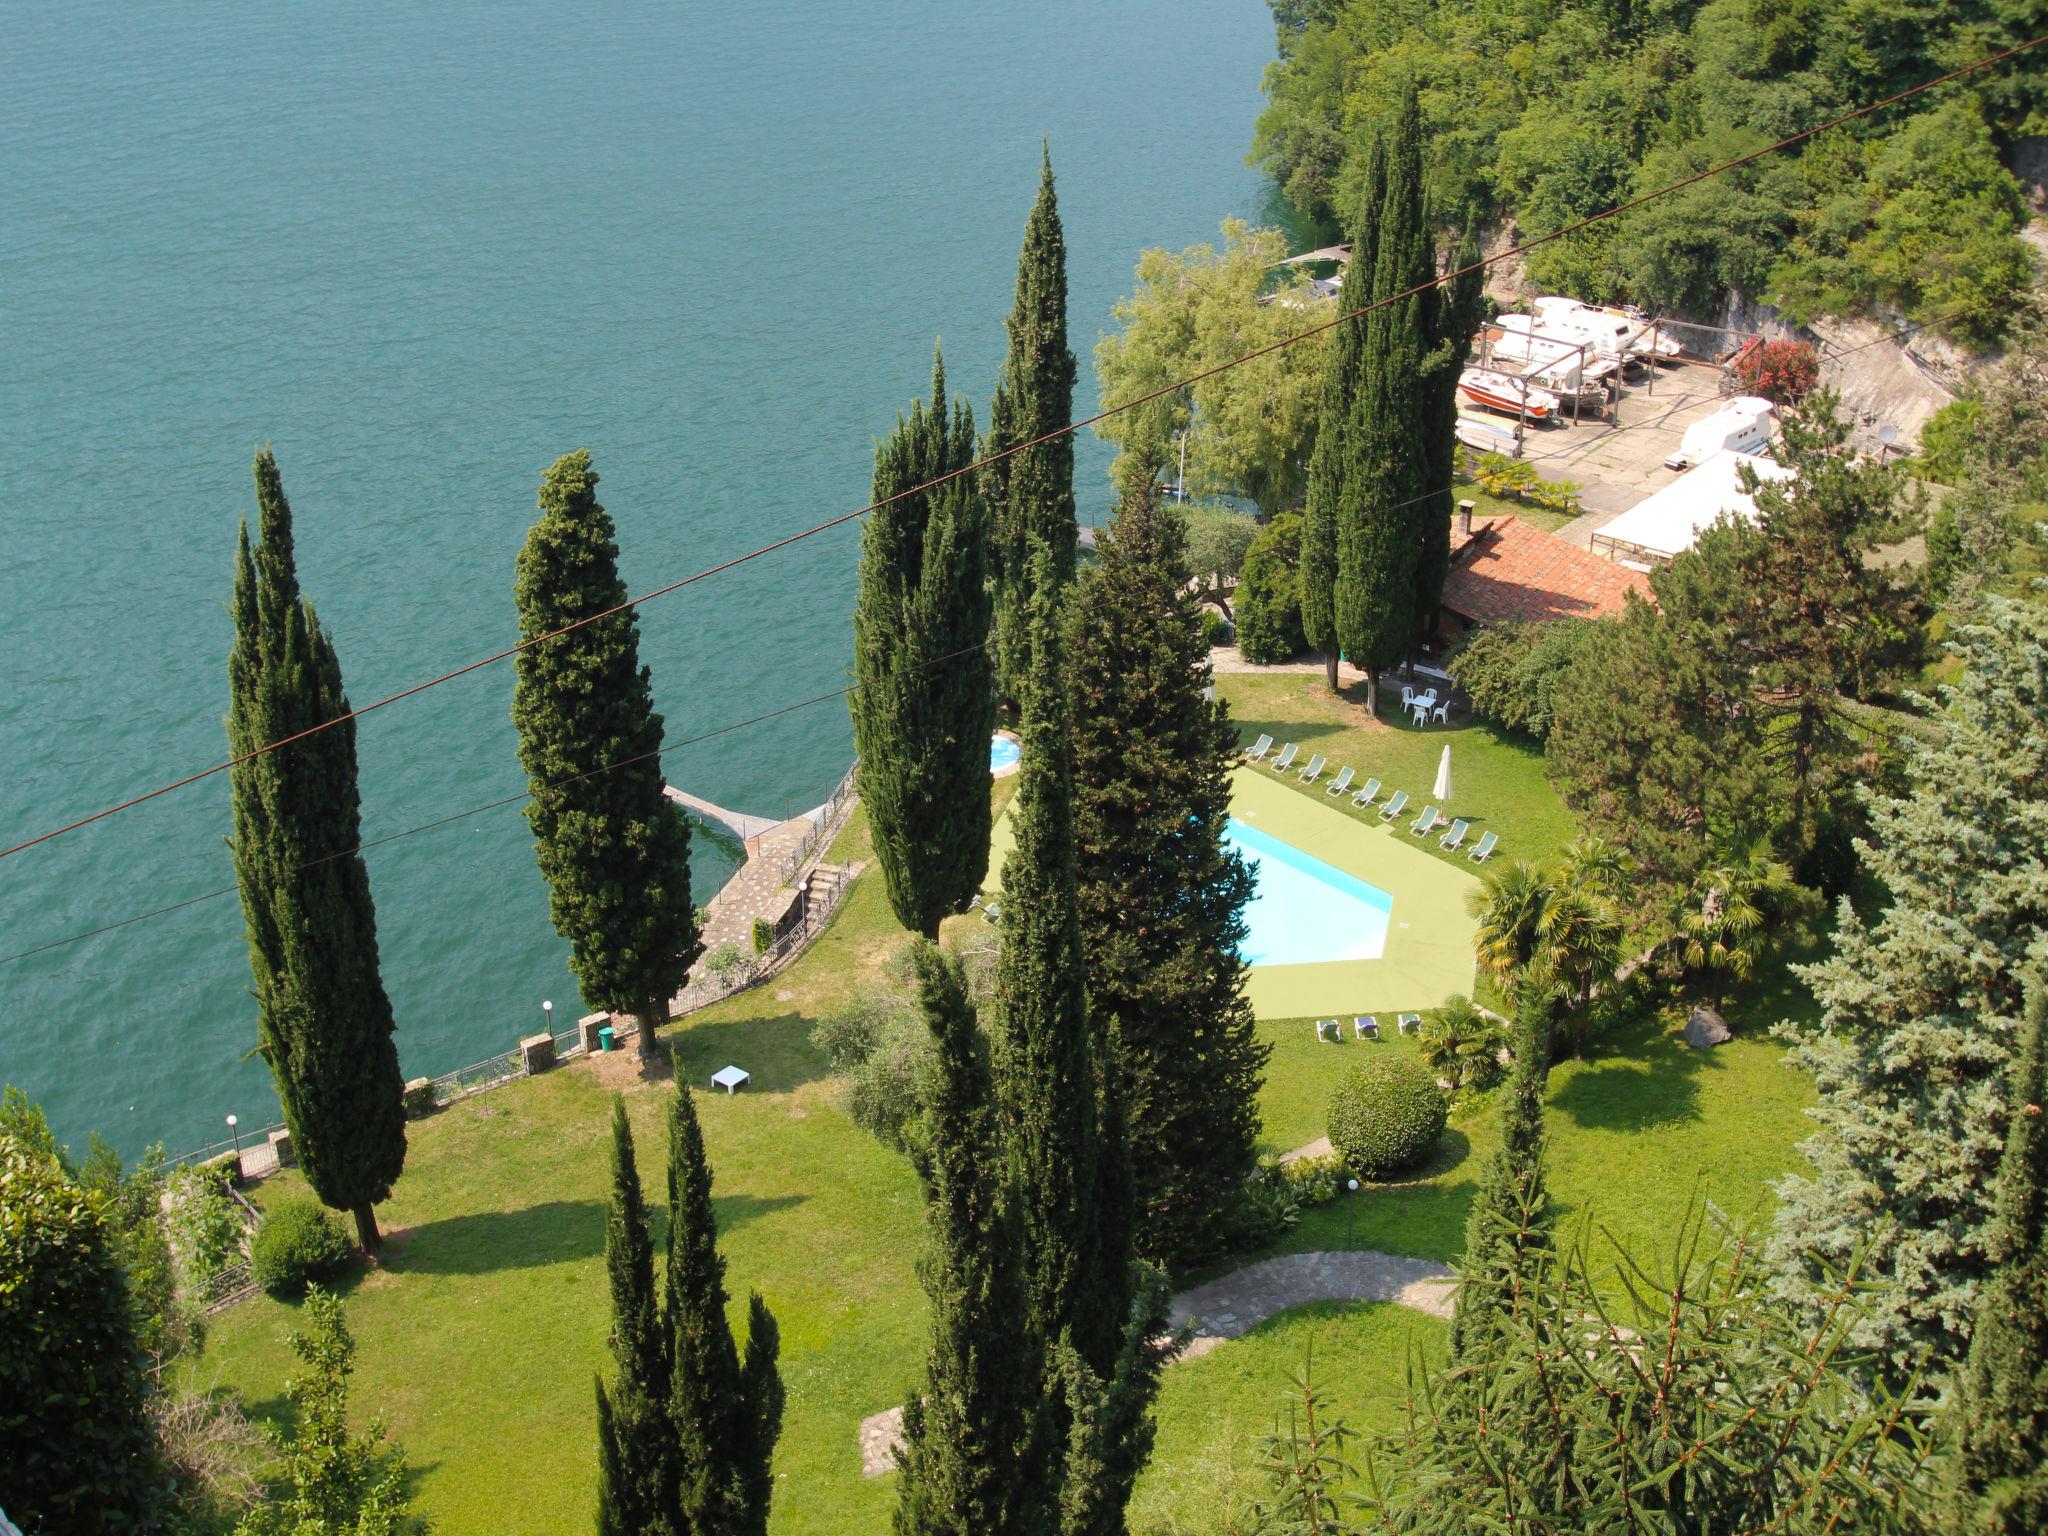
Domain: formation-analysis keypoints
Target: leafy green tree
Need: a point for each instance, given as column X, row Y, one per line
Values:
column 1509, row 1224
column 1920, row 1007
column 75, row 1434
column 923, row 702
column 725, row 1414
column 1031, row 491
column 1557, row 932
column 1511, row 672
column 2001, row 1407
column 1161, row 894
column 336, row 1483
column 969, row 1456
column 615, row 850
column 637, row 1450
column 1250, row 428
column 1218, row 539
column 1724, row 927
column 323, row 1021
column 1268, row 607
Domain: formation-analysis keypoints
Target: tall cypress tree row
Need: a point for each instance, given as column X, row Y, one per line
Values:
column 615, row 850
column 1509, row 1222
column 1161, row 894
column 726, row 1415
column 969, row 1457
column 923, row 704
column 323, row 1020
column 636, row 1445
column 1332, row 463
column 2001, row 1411
column 1031, row 492
column 1047, row 1068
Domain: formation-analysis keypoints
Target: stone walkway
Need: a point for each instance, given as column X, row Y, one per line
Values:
column 1231, row 1306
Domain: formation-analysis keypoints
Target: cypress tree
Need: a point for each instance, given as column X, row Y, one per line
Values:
column 2001, row 1412
column 76, row 1442
column 923, row 704
column 1161, row 894
column 1509, row 1223
column 968, row 1452
column 1047, row 1064
column 725, row 1416
column 615, row 850
column 636, row 1447
column 1031, row 493
column 323, row 1020
column 1332, row 463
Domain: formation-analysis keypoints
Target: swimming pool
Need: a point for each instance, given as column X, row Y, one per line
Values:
column 1002, row 753
column 1304, row 911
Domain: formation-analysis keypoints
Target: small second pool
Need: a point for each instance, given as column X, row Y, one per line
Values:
column 1304, row 911
column 1003, row 752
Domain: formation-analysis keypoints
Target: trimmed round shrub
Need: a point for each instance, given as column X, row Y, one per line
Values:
column 1387, row 1115
column 298, row 1243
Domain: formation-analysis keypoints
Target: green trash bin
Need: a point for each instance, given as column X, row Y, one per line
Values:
column 604, row 1037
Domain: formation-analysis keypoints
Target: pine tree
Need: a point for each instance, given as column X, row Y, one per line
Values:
column 1031, row 492
column 1508, row 1227
column 1161, row 894
column 637, row 1448
column 1920, row 1009
column 923, row 704
column 614, row 849
column 725, row 1417
column 1046, row 1067
column 968, row 1454
column 323, row 1020
column 2001, row 1411
column 75, row 1435
column 1333, row 466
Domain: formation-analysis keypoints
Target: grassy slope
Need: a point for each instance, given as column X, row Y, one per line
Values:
column 480, row 1335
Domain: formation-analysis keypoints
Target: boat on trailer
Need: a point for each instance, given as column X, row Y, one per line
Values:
column 1504, row 392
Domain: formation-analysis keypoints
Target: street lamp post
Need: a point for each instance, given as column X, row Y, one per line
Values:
column 237, row 1138
column 547, row 1016
column 1350, row 1200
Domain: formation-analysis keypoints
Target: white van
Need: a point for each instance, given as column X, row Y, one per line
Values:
column 1745, row 424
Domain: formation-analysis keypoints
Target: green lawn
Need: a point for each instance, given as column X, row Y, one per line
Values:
column 480, row 1333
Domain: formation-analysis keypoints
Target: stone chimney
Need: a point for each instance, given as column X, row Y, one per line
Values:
column 1464, row 519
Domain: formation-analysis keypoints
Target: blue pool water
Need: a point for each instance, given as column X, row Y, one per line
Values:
column 1304, row 910
column 1002, row 753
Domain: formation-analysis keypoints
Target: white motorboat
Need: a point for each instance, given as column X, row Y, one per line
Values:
column 1504, row 392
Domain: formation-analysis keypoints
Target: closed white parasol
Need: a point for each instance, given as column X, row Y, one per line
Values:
column 1443, row 776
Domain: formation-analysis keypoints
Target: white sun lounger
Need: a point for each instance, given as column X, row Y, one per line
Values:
column 1395, row 806
column 1367, row 1026
column 1426, row 823
column 1483, row 850
column 1314, row 770
column 1367, row 795
column 1259, row 749
column 1455, row 838
column 1342, row 782
column 1326, row 1030
column 1285, row 760
column 1411, row 1023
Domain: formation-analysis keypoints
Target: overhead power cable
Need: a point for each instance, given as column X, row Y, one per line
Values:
column 474, row 810
column 1988, row 62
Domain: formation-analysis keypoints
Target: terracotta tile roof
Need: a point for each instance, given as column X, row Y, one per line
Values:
column 1509, row 571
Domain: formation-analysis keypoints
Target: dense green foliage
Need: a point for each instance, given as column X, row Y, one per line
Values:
column 1991, row 446
column 333, row 1483
column 969, row 1448
column 923, row 701
column 1511, row 671
column 1547, row 114
column 1461, row 1045
column 2001, row 1411
column 1556, row 932
column 1030, row 491
column 613, row 848
column 323, row 1021
column 1921, row 1001
column 880, row 1042
column 1386, row 1116
column 1161, row 895
column 75, row 1436
column 725, row 1412
column 1248, row 428
column 1268, row 606
column 638, row 1454
column 297, row 1244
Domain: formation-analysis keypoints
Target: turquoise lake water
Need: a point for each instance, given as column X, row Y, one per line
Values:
column 1304, row 911
column 423, row 251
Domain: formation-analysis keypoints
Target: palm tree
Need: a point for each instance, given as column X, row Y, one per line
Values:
column 1509, row 909
column 1460, row 1044
column 1723, row 923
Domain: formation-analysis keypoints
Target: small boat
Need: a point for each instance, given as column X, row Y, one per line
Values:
column 1501, row 392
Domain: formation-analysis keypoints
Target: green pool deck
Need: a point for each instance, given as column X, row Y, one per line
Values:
column 1429, row 949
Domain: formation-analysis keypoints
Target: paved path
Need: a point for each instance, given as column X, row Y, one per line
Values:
column 1230, row 1307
